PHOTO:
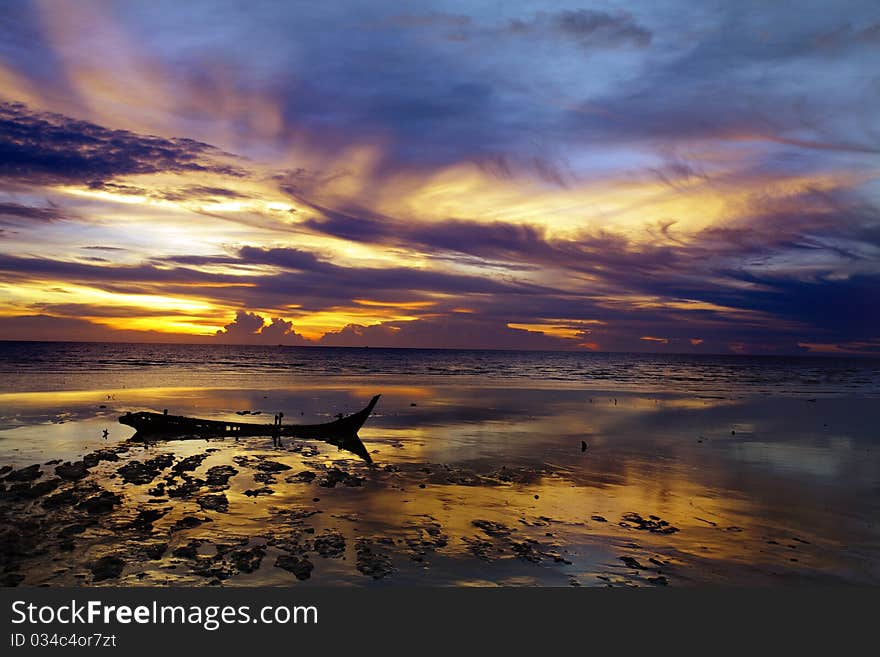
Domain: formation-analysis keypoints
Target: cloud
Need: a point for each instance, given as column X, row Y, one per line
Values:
column 309, row 274
column 251, row 328
column 192, row 193
column 44, row 147
column 451, row 332
column 848, row 35
column 15, row 213
column 390, row 118
column 588, row 28
column 49, row 328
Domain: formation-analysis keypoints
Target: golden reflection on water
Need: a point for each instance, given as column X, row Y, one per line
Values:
column 761, row 491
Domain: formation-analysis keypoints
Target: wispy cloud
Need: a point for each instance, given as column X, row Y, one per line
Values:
column 669, row 178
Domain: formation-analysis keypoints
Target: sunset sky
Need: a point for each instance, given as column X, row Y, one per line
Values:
column 623, row 176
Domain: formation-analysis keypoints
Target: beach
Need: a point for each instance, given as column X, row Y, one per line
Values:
column 477, row 479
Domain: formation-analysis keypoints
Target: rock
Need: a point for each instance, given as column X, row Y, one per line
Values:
column 187, row 489
column 109, row 567
column 482, row 549
column 296, row 516
column 372, row 564
column 11, row 579
column 188, row 551
column 136, row 472
column 25, row 474
column 101, row 503
column 256, row 492
column 305, row 477
column 19, row 541
column 64, row 498
column 189, row 522
column 334, row 476
column 215, row 502
column 598, row 518
column 72, row 471
column 495, row 529
column 300, row 566
column 218, row 476
column 92, row 459
column 146, row 517
column 430, row 538
column 26, row 491
column 154, row 551
column 74, row 529
column 247, row 561
column 527, row 550
column 660, row 580
column 330, row 545
column 272, row 466
column 264, row 478
column 653, row 524
column 632, row 563
column 189, row 464
column 518, row 475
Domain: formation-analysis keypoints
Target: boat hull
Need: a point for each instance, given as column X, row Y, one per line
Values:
column 342, row 432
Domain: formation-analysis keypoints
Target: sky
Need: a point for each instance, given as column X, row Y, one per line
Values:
column 620, row 176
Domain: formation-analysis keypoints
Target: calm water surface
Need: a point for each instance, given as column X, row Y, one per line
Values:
column 767, row 470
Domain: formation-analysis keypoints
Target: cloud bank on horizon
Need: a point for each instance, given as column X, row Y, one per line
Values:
column 624, row 176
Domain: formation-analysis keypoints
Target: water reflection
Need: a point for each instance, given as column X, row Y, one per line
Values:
column 761, row 490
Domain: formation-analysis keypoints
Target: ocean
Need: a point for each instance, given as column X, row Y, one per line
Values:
column 489, row 468
column 46, row 366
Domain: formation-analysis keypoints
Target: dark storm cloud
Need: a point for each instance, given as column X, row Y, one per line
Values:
column 43, row 147
column 835, row 309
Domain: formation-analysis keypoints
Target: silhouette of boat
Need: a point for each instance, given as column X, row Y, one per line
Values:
column 342, row 432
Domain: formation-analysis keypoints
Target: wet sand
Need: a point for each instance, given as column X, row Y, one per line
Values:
column 472, row 486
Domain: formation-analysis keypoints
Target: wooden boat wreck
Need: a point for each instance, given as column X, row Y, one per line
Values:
column 342, row 432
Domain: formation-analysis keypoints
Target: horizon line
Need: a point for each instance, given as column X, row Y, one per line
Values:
column 546, row 351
